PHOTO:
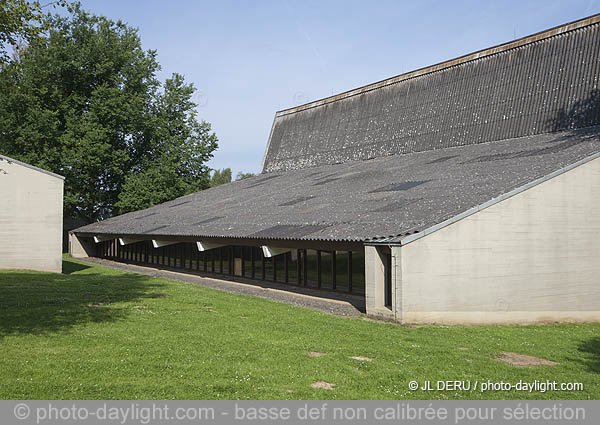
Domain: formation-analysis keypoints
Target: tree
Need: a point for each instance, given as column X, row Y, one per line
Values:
column 20, row 22
column 177, row 153
column 84, row 102
column 220, row 177
column 241, row 175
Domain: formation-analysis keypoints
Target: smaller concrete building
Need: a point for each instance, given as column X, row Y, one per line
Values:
column 31, row 217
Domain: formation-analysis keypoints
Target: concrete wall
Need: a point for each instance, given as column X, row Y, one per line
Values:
column 533, row 257
column 81, row 247
column 374, row 284
column 31, row 218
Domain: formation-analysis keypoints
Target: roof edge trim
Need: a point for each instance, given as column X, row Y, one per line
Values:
column 33, row 167
column 541, row 35
column 411, row 238
column 264, row 158
column 149, row 236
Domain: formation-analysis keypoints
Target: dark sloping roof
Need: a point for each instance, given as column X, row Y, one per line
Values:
column 361, row 200
column 534, row 85
column 405, row 154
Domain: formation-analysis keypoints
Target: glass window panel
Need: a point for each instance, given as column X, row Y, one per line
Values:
column 257, row 262
column 280, row 267
column 237, row 260
column 293, row 266
column 311, row 267
column 358, row 272
column 246, row 258
column 225, row 253
column 192, row 256
column 342, row 270
column 210, row 260
column 269, row 268
column 326, row 275
column 175, row 255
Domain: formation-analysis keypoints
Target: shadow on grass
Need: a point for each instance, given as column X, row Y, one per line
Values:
column 592, row 348
column 69, row 267
column 36, row 303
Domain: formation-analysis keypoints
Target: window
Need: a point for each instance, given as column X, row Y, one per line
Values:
column 342, row 271
column 358, row 272
column 387, row 281
column 280, row 267
column 311, row 265
column 292, row 266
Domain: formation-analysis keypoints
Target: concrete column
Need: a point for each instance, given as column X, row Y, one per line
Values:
column 375, row 285
column 397, row 284
column 81, row 247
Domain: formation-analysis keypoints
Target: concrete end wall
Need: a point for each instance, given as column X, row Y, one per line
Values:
column 534, row 257
column 81, row 247
column 31, row 219
column 374, row 281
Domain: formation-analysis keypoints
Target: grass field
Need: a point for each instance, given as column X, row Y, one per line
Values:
column 99, row 333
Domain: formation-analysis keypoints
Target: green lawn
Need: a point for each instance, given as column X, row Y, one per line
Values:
column 98, row 333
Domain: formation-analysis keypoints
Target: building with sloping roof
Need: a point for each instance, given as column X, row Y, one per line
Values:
column 31, row 217
column 463, row 192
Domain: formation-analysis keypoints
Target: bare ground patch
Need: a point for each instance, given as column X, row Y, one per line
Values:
column 323, row 385
column 522, row 360
column 315, row 354
column 362, row 358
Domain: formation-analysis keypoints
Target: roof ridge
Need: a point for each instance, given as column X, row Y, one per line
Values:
column 479, row 54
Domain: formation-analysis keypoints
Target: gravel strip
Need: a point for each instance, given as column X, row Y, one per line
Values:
column 328, row 302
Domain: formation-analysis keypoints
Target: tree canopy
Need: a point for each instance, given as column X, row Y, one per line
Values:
column 220, row 177
column 241, row 175
column 223, row 176
column 20, row 22
column 84, row 101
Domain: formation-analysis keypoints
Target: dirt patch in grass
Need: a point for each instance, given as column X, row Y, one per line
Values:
column 521, row 360
column 315, row 354
column 463, row 348
column 323, row 385
column 362, row 358
column 160, row 296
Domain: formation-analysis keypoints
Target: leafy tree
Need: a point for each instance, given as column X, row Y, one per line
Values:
column 220, row 177
column 84, row 102
column 179, row 148
column 241, row 175
column 20, row 21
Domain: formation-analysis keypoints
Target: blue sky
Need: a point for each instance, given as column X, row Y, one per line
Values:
column 249, row 59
